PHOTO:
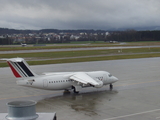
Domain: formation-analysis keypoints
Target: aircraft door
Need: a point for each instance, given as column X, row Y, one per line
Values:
column 104, row 78
column 45, row 83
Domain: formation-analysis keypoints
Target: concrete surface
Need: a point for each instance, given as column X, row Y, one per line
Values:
column 135, row 96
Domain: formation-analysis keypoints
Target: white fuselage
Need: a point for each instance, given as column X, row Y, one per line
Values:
column 61, row 81
column 58, row 80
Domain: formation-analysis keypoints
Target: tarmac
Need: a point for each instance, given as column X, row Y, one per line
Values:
column 135, row 96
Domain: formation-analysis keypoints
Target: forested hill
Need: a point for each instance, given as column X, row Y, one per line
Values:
column 4, row 31
column 121, row 36
column 14, row 31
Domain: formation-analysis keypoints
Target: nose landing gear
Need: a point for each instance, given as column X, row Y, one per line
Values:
column 111, row 86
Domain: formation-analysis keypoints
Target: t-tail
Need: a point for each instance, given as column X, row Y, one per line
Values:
column 20, row 68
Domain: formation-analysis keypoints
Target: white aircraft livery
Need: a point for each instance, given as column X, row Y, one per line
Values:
column 58, row 80
column 23, row 45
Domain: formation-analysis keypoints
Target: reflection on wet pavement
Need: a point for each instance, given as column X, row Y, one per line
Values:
column 87, row 104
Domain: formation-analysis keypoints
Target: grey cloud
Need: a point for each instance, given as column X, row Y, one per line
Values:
column 79, row 14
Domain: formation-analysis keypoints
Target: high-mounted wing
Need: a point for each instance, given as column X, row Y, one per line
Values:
column 85, row 79
column 56, row 73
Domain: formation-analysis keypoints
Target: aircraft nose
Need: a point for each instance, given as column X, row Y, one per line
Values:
column 115, row 79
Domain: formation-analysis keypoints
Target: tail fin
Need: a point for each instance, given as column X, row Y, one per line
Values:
column 20, row 68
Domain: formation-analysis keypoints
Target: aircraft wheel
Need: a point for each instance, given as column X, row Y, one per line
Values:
column 55, row 118
column 74, row 90
column 111, row 86
column 66, row 91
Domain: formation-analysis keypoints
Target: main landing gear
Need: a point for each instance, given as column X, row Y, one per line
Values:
column 74, row 90
column 66, row 91
column 111, row 86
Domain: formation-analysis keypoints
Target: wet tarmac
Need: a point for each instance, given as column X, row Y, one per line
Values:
column 135, row 96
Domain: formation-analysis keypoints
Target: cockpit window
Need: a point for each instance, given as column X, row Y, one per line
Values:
column 110, row 75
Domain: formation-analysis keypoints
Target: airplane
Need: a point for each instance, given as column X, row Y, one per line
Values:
column 58, row 80
column 23, row 45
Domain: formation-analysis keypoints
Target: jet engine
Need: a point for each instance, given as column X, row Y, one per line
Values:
column 99, row 85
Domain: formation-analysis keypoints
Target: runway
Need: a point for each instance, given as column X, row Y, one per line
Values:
column 75, row 49
column 135, row 96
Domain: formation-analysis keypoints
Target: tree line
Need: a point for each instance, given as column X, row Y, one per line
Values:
column 133, row 36
column 90, row 35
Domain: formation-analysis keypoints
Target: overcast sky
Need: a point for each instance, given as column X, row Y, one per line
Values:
column 79, row 14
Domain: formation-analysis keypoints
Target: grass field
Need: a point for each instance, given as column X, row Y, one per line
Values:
column 71, row 60
column 63, row 54
column 83, row 55
column 80, row 44
column 66, row 56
